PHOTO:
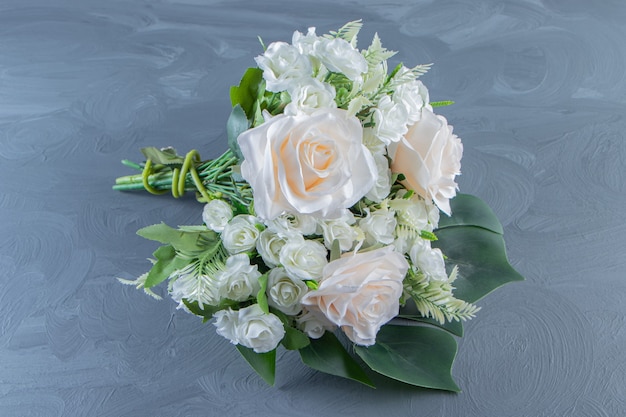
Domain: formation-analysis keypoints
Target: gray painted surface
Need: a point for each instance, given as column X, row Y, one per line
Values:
column 540, row 92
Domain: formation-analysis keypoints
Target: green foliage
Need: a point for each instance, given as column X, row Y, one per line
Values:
column 164, row 156
column 294, row 339
column 237, row 124
column 441, row 103
column 248, row 91
column 187, row 239
column 167, row 262
column 347, row 32
column 416, row 355
column 261, row 297
column 328, row 355
column 263, row 363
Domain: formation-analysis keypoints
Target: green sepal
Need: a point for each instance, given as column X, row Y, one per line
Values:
column 261, row 297
column 263, row 363
column 187, row 239
column 165, row 156
column 166, row 263
column 417, row 355
column 237, row 124
column 328, row 355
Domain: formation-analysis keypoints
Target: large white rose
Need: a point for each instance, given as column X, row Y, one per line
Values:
column 283, row 66
column 307, row 164
column 429, row 156
column 250, row 327
column 361, row 292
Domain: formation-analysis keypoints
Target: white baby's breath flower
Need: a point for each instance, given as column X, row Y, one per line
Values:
column 284, row 292
column 283, row 65
column 379, row 227
column 303, row 259
column 390, row 120
column 340, row 229
column 240, row 234
column 216, row 214
column 339, row 56
column 382, row 186
column 429, row 261
column 239, row 280
column 310, row 95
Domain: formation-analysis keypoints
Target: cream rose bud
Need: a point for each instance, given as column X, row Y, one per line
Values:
column 429, row 261
column 309, row 96
column 239, row 280
column 429, row 156
column 240, row 234
column 379, row 227
column 307, row 164
column 216, row 214
column 303, row 259
column 284, row 293
column 339, row 56
column 314, row 324
column 250, row 327
column 283, row 66
column 361, row 292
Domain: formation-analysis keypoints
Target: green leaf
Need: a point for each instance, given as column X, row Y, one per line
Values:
column 164, row 156
column 207, row 310
column 182, row 239
column 416, row 355
column 263, row 363
column 261, row 297
column 294, row 339
column 469, row 210
column 237, row 124
column 328, row 355
column 167, row 262
column 441, row 103
column 335, row 250
column 481, row 257
column 247, row 92
column 454, row 327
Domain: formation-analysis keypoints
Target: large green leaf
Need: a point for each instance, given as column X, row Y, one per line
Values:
column 263, row 363
column 166, row 263
column 247, row 92
column 236, row 124
column 469, row 210
column 481, row 257
column 328, row 355
column 184, row 239
column 416, row 355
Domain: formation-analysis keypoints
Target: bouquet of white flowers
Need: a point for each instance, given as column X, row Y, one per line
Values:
column 322, row 219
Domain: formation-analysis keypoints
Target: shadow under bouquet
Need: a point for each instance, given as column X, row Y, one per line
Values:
column 333, row 212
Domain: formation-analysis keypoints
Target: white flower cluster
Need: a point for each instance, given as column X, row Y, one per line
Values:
column 348, row 176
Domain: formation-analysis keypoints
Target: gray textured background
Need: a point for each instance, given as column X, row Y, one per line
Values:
column 540, row 92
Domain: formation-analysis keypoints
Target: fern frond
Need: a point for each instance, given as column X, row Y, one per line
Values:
column 139, row 283
column 376, row 53
column 347, row 32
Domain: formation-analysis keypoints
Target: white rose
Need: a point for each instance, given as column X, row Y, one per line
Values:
column 429, row 261
column 307, row 164
column 250, row 327
column 341, row 230
column 372, row 143
column 285, row 293
column 413, row 96
column 240, row 234
column 382, row 186
column 379, row 227
column 310, row 96
column 283, row 66
column 314, row 324
column 269, row 245
column 289, row 223
column 415, row 212
column 216, row 214
column 339, row 56
column 361, row 292
column 239, row 280
column 390, row 120
column 429, row 156
column 305, row 43
column 303, row 259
